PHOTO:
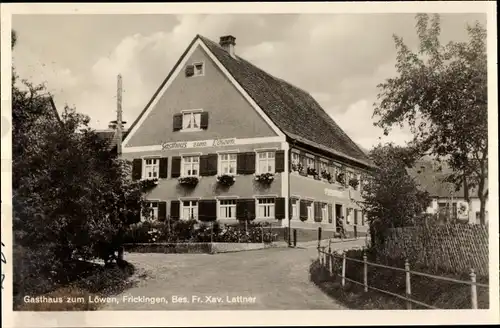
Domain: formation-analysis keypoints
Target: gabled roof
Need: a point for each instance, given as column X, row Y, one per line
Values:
column 294, row 111
column 431, row 179
column 110, row 137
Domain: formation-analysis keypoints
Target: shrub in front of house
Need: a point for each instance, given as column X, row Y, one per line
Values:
column 226, row 180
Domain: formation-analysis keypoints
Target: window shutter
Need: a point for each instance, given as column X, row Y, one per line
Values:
column 177, row 122
column 212, row 164
column 176, row 167
column 279, row 208
column 250, row 163
column 290, row 207
column 204, row 120
column 240, row 208
column 207, row 210
column 189, row 70
column 137, row 169
column 330, row 213
column 303, row 209
column 162, row 211
column 316, row 164
column 175, row 209
column 280, row 161
column 241, row 163
column 163, row 174
column 317, row 212
column 204, row 165
column 251, row 209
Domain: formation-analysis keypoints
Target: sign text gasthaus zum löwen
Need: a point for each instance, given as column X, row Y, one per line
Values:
column 198, row 144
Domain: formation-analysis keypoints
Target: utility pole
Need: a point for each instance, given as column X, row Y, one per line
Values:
column 119, row 124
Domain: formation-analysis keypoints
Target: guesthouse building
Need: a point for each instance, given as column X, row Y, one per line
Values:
column 224, row 140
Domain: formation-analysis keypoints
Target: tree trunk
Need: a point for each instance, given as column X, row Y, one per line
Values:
column 482, row 210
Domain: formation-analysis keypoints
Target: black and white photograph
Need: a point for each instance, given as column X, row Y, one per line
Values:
column 248, row 161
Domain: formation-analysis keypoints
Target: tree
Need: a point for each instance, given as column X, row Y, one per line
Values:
column 441, row 93
column 72, row 197
column 391, row 198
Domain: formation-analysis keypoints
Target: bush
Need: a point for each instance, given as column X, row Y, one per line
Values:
column 191, row 231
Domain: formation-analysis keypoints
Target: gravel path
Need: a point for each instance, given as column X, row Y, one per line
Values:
column 271, row 279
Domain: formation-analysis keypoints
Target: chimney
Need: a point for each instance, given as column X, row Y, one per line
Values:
column 228, row 42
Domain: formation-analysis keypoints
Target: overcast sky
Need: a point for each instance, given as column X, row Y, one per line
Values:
column 338, row 58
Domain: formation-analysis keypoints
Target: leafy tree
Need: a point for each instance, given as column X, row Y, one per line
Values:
column 391, row 198
column 72, row 197
column 441, row 93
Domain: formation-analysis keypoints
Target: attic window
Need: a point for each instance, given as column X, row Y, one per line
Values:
column 199, row 69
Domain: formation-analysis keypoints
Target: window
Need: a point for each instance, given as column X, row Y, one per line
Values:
column 190, row 166
column 324, row 212
column 189, row 209
column 310, row 162
column 198, row 69
column 265, row 208
column 323, row 166
column 227, row 209
column 227, row 163
column 295, row 209
column 310, row 211
column 151, row 212
column 191, row 120
column 349, row 213
column 266, row 162
column 295, row 158
column 151, row 168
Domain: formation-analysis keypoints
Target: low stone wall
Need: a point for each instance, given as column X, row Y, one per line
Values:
column 194, row 248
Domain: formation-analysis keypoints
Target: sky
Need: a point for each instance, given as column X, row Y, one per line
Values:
column 338, row 58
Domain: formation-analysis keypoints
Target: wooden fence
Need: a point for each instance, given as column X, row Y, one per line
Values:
column 327, row 258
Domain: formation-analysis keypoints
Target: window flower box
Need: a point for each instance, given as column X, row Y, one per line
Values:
column 188, row 181
column 326, row 175
column 226, row 180
column 148, row 184
column 297, row 167
column 341, row 178
column 354, row 183
column 312, row 172
column 303, row 218
column 265, row 178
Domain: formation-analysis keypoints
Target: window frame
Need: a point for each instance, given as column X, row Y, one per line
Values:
column 271, row 208
column 202, row 63
column 221, row 206
column 191, row 208
column 258, row 159
column 220, row 162
column 145, row 166
column 191, row 112
column 310, row 211
column 183, row 157
column 310, row 159
column 295, row 209
column 155, row 210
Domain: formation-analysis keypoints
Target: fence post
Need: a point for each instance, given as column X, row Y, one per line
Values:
column 355, row 232
column 262, row 233
column 330, row 261
column 343, row 268
column 408, row 283
column 473, row 289
column 365, row 272
column 294, row 237
column 319, row 236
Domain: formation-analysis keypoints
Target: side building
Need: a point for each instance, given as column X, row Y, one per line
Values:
column 228, row 141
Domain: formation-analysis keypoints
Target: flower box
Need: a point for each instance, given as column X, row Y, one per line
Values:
column 326, row 175
column 341, row 178
column 312, row 172
column 265, row 178
column 148, row 184
column 226, row 180
column 354, row 183
column 188, row 181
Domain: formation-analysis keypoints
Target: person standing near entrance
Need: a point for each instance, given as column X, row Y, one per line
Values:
column 340, row 224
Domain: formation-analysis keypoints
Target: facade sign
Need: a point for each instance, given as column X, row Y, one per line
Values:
column 198, row 144
column 332, row 192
